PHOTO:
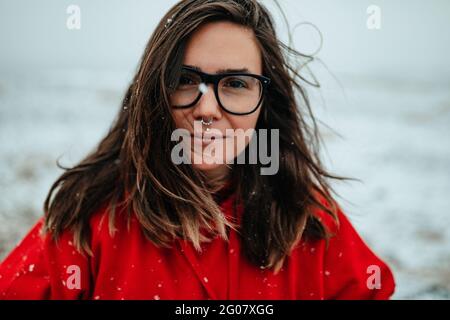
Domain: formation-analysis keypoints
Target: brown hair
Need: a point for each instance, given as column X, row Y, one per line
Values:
column 132, row 166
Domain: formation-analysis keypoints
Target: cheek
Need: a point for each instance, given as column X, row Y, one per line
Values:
column 244, row 122
column 180, row 118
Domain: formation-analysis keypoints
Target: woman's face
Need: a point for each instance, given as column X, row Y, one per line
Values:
column 213, row 47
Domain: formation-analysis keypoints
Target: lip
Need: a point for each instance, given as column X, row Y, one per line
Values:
column 206, row 138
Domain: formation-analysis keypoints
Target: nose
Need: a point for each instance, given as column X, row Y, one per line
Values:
column 207, row 107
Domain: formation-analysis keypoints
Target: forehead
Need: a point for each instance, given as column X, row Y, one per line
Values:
column 223, row 45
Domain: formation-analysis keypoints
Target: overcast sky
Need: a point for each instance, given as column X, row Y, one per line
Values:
column 413, row 40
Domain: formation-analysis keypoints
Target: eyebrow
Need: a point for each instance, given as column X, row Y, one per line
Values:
column 228, row 70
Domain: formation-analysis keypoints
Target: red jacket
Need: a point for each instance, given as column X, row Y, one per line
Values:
column 128, row 266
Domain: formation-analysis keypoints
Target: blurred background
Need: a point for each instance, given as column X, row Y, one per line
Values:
column 384, row 97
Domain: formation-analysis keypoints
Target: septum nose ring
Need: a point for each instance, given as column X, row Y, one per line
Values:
column 207, row 123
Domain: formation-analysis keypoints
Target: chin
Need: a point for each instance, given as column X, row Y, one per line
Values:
column 208, row 167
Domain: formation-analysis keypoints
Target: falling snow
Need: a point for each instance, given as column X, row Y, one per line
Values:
column 203, row 88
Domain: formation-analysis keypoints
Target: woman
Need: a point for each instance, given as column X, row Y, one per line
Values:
column 132, row 221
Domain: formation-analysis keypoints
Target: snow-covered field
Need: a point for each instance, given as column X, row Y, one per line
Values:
column 394, row 137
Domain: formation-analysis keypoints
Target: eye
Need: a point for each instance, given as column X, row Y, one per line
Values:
column 235, row 83
column 186, row 80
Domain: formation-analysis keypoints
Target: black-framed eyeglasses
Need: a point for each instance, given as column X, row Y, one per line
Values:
column 237, row 93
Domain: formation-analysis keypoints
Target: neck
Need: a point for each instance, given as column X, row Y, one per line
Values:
column 217, row 177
